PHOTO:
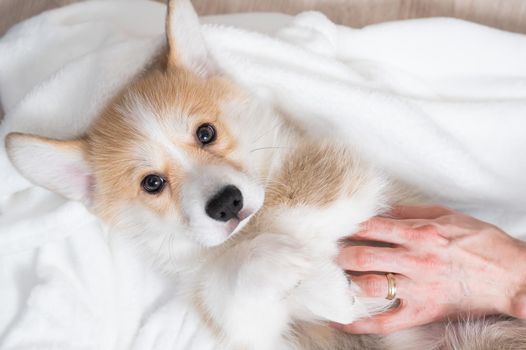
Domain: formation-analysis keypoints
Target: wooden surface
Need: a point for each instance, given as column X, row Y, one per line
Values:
column 505, row 14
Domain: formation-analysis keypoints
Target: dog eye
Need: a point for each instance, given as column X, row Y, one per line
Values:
column 153, row 183
column 206, row 133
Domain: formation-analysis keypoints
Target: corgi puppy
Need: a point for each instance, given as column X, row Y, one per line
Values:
column 241, row 205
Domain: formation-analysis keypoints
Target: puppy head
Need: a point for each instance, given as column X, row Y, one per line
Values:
column 170, row 154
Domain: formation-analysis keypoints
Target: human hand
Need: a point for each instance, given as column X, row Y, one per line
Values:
column 445, row 264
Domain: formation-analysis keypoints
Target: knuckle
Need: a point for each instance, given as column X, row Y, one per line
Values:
column 363, row 258
column 376, row 223
column 435, row 236
column 430, row 227
column 434, row 233
column 426, row 262
column 370, row 224
column 429, row 232
column 441, row 241
column 421, row 232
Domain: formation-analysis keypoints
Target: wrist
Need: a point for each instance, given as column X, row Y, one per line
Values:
column 517, row 303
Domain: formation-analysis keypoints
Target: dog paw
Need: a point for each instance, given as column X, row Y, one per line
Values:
column 276, row 264
column 325, row 294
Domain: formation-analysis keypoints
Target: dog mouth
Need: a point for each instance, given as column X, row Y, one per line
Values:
column 227, row 209
column 244, row 213
column 235, row 222
column 220, row 232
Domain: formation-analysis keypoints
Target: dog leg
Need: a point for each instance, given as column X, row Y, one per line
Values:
column 246, row 289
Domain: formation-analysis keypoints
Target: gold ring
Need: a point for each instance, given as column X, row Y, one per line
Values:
column 391, row 286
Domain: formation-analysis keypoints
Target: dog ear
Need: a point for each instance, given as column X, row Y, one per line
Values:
column 186, row 46
column 59, row 166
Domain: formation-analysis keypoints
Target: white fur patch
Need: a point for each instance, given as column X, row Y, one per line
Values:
column 59, row 168
column 148, row 123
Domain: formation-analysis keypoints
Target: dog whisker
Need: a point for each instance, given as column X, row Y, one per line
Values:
column 268, row 131
column 266, row 148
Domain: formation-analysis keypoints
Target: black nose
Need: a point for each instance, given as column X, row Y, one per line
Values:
column 225, row 204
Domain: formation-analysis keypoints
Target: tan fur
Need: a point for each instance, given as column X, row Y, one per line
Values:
column 70, row 144
column 326, row 166
column 320, row 337
column 120, row 152
column 177, row 97
column 171, row 57
column 492, row 333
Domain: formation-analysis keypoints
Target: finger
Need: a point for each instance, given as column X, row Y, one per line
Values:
column 418, row 212
column 390, row 321
column 406, row 232
column 381, row 229
column 365, row 258
column 376, row 285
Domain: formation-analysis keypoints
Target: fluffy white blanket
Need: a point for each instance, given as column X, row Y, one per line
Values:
column 439, row 103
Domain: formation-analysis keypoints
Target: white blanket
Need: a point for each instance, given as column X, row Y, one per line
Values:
column 439, row 103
